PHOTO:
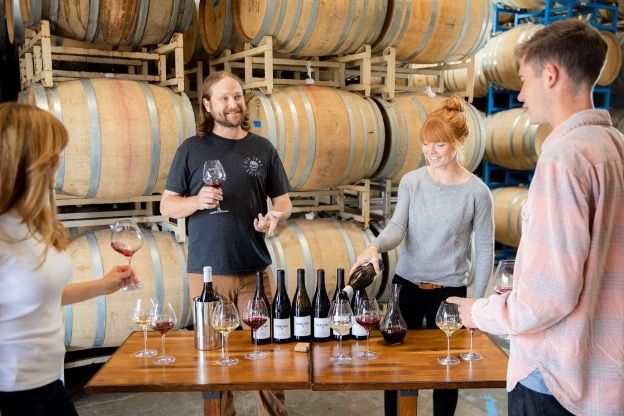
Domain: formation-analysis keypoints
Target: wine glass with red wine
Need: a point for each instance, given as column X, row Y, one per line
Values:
column 503, row 277
column 367, row 314
column 126, row 239
column 163, row 319
column 214, row 175
column 255, row 315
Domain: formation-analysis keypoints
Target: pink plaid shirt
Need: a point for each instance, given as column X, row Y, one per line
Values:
column 566, row 311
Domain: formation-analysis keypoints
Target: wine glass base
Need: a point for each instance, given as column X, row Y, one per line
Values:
column 471, row 356
column 368, row 355
column 132, row 287
column 227, row 361
column 256, row 355
column 340, row 359
column 448, row 360
column 164, row 360
column 145, row 353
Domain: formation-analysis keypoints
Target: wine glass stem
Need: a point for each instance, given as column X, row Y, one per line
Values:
column 255, row 335
column 471, row 341
column 339, row 345
column 129, row 261
column 448, row 346
column 163, row 344
column 145, row 341
column 367, row 341
column 225, row 346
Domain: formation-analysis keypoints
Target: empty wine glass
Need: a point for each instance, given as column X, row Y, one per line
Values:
column 255, row 315
column 126, row 239
column 471, row 355
column 225, row 320
column 340, row 315
column 367, row 314
column 447, row 319
column 162, row 319
column 214, row 175
column 503, row 277
column 141, row 317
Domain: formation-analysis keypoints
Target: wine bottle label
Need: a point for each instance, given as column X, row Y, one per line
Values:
column 281, row 328
column 357, row 330
column 264, row 331
column 303, row 326
column 321, row 327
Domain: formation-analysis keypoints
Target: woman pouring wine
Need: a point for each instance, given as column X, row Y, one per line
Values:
column 438, row 207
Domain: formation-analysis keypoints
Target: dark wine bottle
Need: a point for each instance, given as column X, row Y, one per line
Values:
column 320, row 308
column 302, row 311
column 208, row 293
column 262, row 334
column 339, row 294
column 362, row 277
column 357, row 330
column 280, row 311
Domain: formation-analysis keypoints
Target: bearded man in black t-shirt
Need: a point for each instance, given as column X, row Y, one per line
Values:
column 232, row 242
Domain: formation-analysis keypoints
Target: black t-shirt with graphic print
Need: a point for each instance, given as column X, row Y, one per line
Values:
column 228, row 242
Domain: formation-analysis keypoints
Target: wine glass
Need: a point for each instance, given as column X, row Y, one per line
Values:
column 141, row 317
column 255, row 315
column 471, row 355
column 162, row 319
column 225, row 320
column 126, row 239
column 503, row 277
column 367, row 314
column 340, row 315
column 214, row 175
column 447, row 319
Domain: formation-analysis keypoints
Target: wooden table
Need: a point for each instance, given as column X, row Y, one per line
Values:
column 410, row 366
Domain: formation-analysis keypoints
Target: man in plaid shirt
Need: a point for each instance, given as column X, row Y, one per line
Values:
column 565, row 314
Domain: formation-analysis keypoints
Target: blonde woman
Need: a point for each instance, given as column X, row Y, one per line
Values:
column 439, row 206
column 34, row 269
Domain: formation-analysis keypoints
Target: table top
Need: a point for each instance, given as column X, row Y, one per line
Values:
column 411, row 365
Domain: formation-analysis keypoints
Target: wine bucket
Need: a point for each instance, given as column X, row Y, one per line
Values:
column 508, row 203
column 193, row 46
column 318, row 244
column 403, row 120
column 522, row 4
column 512, row 141
column 118, row 22
column 122, row 135
column 106, row 321
column 325, row 136
column 424, row 31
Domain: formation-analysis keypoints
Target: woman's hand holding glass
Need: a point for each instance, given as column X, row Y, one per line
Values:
column 126, row 239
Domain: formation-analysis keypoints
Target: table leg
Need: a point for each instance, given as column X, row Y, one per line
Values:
column 212, row 403
column 407, row 402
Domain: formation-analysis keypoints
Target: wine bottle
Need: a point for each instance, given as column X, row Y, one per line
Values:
column 339, row 294
column 320, row 308
column 280, row 311
column 208, row 293
column 362, row 277
column 357, row 331
column 302, row 310
column 262, row 334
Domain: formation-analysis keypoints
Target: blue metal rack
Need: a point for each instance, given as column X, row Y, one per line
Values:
column 496, row 176
column 500, row 100
column 602, row 97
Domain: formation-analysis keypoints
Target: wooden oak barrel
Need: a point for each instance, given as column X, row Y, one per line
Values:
column 318, row 244
column 425, row 31
column 613, row 61
column 118, row 22
column 106, row 321
column 325, row 137
column 512, row 141
column 216, row 27
column 455, row 79
column 522, row 4
column 193, row 46
column 403, row 120
column 508, row 203
column 122, row 135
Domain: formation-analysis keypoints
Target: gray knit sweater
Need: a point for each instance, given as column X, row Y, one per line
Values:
column 435, row 222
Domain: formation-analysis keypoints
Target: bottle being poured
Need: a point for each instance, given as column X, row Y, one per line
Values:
column 362, row 277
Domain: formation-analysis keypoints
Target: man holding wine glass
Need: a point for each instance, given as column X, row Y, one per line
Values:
column 565, row 314
column 226, row 202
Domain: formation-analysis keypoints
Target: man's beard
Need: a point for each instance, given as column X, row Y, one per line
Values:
column 223, row 121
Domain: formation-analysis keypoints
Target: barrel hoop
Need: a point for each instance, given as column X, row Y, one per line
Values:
column 390, row 35
column 185, row 317
column 187, row 17
column 34, row 16
column 270, row 120
column 309, row 112
column 512, row 132
column 530, row 146
column 310, row 29
column 293, row 27
column 159, row 284
column 141, row 23
column 18, row 23
column 493, row 128
column 381, row 139
column 155, row 138
column 423, row 116
column 359, row 29
column 427, row 37
column 178, row 113
column 98, row 273
column 94, row 11
column 387, row 172
column 379, row 12
column 96, row 138
column 486, row 26
column 227, row 29
column 348, row 243
column 352, row 138
column 478, row 135
column 175, row 10
column 366, row 140
column 462, row 33
column 495, row 76
column 54, row 7
column 191, row 128
column 266, row 22
column 307, row 254
column 296, row 133
column 347, row 29
column 57, row 110
column 404, row 143
column 276, row 31
column 514, row 202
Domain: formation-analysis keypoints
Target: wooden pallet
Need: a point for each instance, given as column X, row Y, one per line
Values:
column 38, row 55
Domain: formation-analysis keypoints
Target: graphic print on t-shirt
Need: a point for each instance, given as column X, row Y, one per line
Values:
column 253, row 165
